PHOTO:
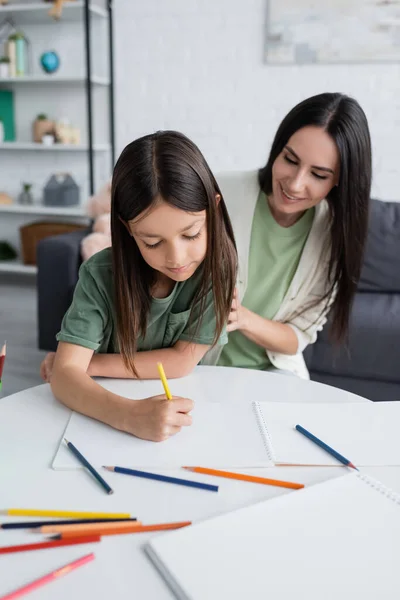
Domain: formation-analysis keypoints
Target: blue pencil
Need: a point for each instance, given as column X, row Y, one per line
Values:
column 165, row 478
column 325, row 447
column 87, row 464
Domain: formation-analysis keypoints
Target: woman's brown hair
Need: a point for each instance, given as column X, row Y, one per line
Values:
column 166, row 165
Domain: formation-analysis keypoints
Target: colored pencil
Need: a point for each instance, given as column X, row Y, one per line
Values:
column 165, row 478
column 88, row 527
column 242, row 477
column 2, row 360
column 78, row 514
column 130, row 529
column 164, row 381
column 325, row 447
column 87, row 464
column 33, row 524
column 48, row 578
column 82, row 539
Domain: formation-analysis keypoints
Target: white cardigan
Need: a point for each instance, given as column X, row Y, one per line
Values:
column 309, row 284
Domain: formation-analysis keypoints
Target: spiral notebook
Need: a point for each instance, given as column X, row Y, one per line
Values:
column 338, row 539
column 258, row 434
column 366, row 433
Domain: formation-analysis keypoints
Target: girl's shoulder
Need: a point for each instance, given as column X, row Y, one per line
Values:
column 98, row 268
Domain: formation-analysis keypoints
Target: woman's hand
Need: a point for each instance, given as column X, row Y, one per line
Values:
column 156, row 418
column 46, row 368
column 238, row 316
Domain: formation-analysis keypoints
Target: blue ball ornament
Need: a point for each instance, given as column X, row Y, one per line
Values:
column 50, row 61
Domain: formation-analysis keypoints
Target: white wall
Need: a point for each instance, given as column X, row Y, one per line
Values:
column 197, row 66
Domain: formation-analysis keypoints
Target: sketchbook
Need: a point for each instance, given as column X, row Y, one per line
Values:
column 338, row 539
column 366, row 433
column 247, row 434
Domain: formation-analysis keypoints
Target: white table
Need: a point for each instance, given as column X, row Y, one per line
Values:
column 31, row 425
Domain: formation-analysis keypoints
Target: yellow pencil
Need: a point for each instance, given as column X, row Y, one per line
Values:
column 164, row 380
column 32, row 512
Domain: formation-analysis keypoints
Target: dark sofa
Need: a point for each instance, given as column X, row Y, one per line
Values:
column 369, row 366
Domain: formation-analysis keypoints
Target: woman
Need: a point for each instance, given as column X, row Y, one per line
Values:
column 300, row 228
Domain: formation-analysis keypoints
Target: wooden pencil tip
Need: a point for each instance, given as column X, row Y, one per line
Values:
column 108, row 468
column 353, row 466
column 66, row 441
column 110, row 492
column 188, row 468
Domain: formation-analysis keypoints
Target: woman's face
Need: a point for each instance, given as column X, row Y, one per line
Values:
column 303, row 173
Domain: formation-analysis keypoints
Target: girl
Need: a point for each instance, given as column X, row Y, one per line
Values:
column 162, row 292
column 300, row 226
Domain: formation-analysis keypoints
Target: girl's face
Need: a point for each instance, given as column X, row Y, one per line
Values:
column 303, row 173
column 171, row 240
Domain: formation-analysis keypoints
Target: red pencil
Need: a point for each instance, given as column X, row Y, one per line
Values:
column 2, row 359
column 44, row 545
column 49, row 577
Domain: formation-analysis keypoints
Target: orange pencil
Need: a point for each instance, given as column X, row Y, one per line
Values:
column 89, row 527
column 119, row 531
column 241, row 477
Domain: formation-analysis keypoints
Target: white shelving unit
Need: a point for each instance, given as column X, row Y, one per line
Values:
column 75, row 92
column 54, row 79
column 28, row 13
column 36, row 147
column 15, row 266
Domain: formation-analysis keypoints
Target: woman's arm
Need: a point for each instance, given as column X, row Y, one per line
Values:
column 152, row 418
column 271, row 335
column 177, row 361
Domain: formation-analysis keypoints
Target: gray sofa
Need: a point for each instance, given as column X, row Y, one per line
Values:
column 369, row 366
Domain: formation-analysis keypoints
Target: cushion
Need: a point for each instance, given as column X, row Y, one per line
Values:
column 381, row 269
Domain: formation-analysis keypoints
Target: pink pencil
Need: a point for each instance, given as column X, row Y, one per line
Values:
column 49, row 577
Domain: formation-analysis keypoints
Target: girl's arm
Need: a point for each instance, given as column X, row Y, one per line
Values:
column 152, row 418
column 177, row 361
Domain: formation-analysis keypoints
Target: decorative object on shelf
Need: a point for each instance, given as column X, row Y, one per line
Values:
column 4, row 67
column 32, row 233
column 25, row 196
column 99, row 207
column 61, row 190
column 7, row 252
column 7, row 114
column 20, row 54
column 50, row 61
column 48, row 139
column 17, row 50
column 12, row 55
column 42, row 125
column 56, row 10
column 65, row 133
column 5, row 198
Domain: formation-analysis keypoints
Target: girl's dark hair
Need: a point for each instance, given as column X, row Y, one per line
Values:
column 166, row 165
column 345, row 121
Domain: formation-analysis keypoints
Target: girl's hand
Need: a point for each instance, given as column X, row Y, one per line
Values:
column 157, row 418
column 46, row 368
column 238, row 316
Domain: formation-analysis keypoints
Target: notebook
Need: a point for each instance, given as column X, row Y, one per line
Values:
column 338, row 539
column 212, row 440
column 253, row 434
column 367, row 433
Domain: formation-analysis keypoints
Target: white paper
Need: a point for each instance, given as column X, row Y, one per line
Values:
column 221, row 436
column 339, row 539
column 367, row 434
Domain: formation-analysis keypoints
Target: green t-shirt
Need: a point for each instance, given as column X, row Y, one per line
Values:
column 274, row 255
column 91, row 320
